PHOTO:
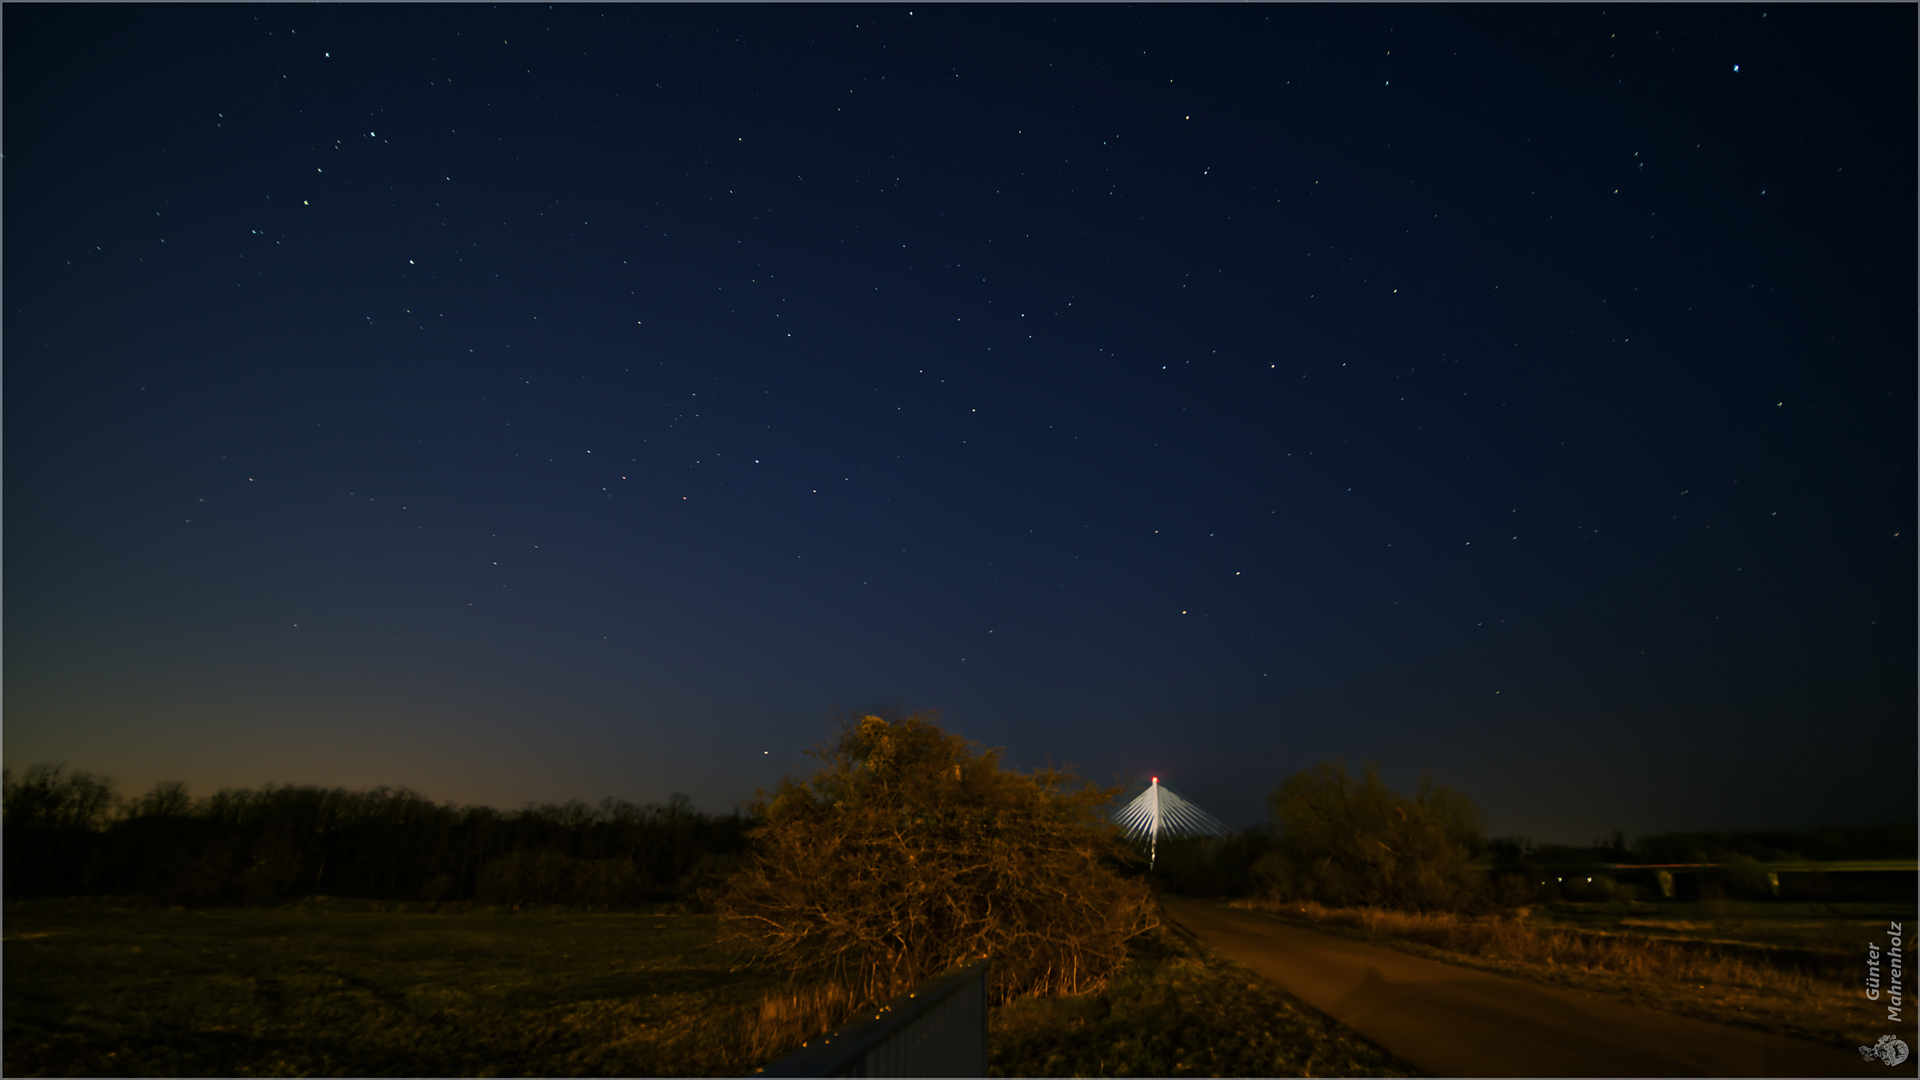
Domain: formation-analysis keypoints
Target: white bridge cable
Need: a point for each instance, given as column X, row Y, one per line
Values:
column 1158, row 810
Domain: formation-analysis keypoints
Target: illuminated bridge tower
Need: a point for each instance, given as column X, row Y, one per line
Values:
column 1158, row 810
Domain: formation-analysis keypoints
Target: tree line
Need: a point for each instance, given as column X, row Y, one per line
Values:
column 69, row 833
column 1333, row 837
column 1344, row 840
column 1347, row 840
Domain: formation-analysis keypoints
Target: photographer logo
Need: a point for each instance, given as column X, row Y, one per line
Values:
column 1889, row 1050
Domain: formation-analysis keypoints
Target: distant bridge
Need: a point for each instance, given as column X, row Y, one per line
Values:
column 1663, row 873
column 1805, row 866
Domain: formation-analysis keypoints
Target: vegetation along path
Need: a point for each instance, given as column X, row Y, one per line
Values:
column 1454, row 1021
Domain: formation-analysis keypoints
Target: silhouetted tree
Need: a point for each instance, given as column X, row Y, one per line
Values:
column 52, row 819
column 1354, row 841
column 1211, row 865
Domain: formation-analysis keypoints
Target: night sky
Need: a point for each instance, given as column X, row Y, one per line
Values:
column 532, row 403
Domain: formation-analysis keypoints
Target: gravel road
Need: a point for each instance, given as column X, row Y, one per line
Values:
column 1456, row 1021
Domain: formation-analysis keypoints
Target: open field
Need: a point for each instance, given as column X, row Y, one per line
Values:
column 1791, row 968
column 343, row 988
column 356, row 988
column 1842, row 929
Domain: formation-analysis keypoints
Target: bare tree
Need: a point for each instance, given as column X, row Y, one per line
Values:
column 911, row 851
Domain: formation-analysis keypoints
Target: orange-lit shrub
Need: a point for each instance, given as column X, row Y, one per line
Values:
column 910, row 852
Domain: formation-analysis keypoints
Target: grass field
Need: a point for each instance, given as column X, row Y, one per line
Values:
column 348, row 988
column 1841, row 928
column 1791, row 968
column 345, row 989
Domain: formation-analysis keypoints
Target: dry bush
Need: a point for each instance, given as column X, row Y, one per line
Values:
column 910, row 852
column 686, row 1034
column 784, row 1019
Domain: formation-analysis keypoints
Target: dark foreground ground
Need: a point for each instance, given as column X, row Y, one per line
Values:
column 97, row 988
column 1455, row 1021
column 100, row 989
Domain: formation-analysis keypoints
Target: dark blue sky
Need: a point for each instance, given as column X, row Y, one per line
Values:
column 533, row 403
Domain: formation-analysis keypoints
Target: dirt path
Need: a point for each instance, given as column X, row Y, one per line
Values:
column 1455, row 1021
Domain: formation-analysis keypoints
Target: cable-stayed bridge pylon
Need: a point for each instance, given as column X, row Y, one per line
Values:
column 1157, row 810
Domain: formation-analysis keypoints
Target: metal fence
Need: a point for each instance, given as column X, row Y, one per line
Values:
column 937, row 1029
